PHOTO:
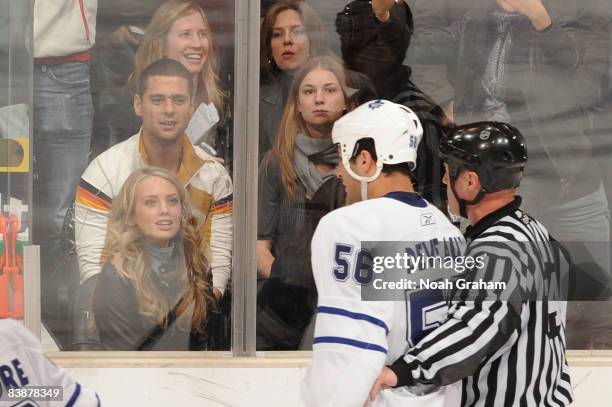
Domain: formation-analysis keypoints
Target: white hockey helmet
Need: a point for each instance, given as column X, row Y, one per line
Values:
column 395, row 130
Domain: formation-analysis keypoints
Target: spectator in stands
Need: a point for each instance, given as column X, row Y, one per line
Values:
column 540, row 66
column 64, row 32
column 180, row 30
column 374, row 38
column 152, row 291
column 297, row 186
column 120, row 29
column 164, row 102
column 291, row 33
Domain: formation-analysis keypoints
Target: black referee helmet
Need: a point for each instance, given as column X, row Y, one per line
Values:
column 495, row 151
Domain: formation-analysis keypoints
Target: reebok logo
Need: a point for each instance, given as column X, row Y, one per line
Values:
column 427, row 219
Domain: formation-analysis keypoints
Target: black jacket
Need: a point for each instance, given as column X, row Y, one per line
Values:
column 373, row 48
column 121, row 325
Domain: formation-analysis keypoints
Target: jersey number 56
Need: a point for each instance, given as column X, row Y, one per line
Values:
column 344, row 259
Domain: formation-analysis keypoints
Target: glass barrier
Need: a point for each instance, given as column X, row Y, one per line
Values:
column 543, row 70
column 15, row 152
column 147, row 262
column 143, row 258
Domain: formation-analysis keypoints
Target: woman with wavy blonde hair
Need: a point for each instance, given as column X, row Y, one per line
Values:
column 153, row 292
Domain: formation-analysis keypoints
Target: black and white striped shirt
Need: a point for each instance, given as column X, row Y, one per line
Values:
column 508, row 351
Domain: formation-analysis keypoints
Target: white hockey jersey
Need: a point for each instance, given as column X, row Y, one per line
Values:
column 355, row 339
column 23, row 364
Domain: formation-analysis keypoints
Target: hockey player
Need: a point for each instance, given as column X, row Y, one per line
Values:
column 29, row 379
column 510, row 350
column 353, row 338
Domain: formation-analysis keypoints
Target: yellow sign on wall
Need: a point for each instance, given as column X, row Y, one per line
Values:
column 15, row 154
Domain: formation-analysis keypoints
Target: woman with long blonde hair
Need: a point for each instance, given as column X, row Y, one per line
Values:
column 297, row 186
column 153, row 291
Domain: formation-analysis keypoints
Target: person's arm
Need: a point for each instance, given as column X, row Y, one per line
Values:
column 221, row 229
column 264, row 258
column 350, row 341
column 384, row 24
column 92, row 208
column 394, row 26
column 18, row 346
column 475, row 330
column 267, row 214
column 573, row 39
column 571, row 51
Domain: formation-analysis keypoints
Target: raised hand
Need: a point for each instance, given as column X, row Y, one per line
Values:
column 532, row 9
column 381, row 8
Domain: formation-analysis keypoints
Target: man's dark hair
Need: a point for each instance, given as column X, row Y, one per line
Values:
column 367, row 144
column 164, row 67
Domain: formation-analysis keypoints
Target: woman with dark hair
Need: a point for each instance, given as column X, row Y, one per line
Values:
column 297, row 186
column 153, row 292
column 291, row 33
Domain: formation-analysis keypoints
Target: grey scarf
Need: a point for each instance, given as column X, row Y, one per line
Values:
column 310, row 151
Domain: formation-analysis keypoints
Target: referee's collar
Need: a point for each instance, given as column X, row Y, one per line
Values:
column 486, row 222
column 409, row 198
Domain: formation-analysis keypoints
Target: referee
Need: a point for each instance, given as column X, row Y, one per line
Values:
column 507, row 350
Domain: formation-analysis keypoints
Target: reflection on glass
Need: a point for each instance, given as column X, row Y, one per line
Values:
column 15, row 162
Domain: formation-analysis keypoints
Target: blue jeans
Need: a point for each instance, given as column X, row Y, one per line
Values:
column 63, row 115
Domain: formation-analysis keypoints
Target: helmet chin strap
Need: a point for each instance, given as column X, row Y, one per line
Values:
column 364, row 190
column 463, row 203
column 454, row 218
column 364, row 180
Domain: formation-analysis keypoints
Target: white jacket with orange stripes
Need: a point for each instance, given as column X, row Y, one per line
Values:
column 209, row 188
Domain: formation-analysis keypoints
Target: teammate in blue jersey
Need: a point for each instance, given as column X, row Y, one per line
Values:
column 29, row 379
column 355, row 338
